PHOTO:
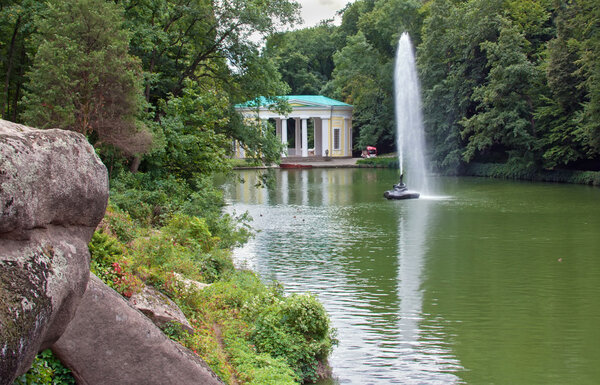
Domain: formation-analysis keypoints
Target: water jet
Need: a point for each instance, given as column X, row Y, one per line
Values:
column 410, row 137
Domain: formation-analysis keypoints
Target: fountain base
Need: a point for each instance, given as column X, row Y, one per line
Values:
column 400, row 191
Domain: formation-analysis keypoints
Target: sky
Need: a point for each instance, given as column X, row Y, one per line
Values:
column 313, row 11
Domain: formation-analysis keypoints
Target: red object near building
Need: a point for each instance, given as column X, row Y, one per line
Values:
column 370, row 152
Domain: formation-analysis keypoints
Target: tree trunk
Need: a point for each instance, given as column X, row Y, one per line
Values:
column 19, row 86
column 5, row 111
column 135, row 164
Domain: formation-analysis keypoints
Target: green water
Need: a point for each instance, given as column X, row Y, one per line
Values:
column 481, row 282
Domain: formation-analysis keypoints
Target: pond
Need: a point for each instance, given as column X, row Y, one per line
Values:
column 486, row 281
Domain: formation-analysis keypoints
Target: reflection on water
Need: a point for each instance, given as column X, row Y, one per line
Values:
column 424, row 356
column 461, row 288
column 320, row 233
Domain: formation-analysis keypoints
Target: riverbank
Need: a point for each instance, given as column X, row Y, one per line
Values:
column 306, row 163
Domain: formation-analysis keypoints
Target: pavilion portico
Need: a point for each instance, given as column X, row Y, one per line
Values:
column 329, row 119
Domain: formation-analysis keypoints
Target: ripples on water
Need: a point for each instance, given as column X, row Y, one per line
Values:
column 381, row 342
column 461, row 287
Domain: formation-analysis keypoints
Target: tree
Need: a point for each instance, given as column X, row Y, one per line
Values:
column 190, row 144
column 16, row 51
column 83, row 78
column 363, row 74
column 506, row 102
column 194, row 39
column 360, row 79
column 451, row 65
column 588, row 21
column 304, row 57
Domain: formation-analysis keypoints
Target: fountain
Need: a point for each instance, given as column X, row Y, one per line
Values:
column 410, row 139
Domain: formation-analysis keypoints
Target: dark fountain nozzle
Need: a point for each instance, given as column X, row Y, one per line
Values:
column 400, row 191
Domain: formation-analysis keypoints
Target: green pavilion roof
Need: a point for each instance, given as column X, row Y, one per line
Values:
column 308, row 100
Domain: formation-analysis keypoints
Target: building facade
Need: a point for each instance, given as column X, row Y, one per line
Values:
column 317, row 126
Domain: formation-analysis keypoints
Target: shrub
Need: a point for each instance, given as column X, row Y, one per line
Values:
column 380, row 161
column 506, row 171
column 296, row 329
column 109, row 264
column 46, row 369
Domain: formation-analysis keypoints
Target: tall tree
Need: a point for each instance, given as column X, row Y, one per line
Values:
column 84, row 79
column 194, row 39
column 304, row 57
column 16, row 51
column 363, row 74
column 506, row 102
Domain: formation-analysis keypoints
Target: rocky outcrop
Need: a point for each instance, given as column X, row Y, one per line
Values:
column 159, row 308
column 53, row 193
column 190, row 284
column 110, row 342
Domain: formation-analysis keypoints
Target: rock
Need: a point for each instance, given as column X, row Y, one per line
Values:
column 190, row 284
column 53, row 193
column 159, row 308
column 110, row 342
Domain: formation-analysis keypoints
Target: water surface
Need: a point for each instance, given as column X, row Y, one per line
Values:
column 484, row 282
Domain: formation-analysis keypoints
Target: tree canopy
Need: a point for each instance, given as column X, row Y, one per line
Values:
column 503, row 81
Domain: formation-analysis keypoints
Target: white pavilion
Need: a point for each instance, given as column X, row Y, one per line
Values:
column 329, row 120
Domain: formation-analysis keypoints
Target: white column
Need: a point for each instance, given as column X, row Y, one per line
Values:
column 304, row 138
column 325, row 136
column 284, row 136
column 297, row 137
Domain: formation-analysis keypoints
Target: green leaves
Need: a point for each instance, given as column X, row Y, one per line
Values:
column 83, row 78
column 505, row 103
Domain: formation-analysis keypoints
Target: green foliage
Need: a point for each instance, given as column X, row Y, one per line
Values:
column 363, row 77
column 198, row 40
column 109, row 264
column 119, row 223
column 256, row 368
column 17, row 50
column 190, row 127
column 83, row 78
column 296, row 329
column 46, row 369
column 150, row 200
column 304, row 57
column 505, row 109
column 380, row 161
column 504, row 171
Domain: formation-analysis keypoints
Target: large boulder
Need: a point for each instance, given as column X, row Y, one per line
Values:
column 53, row 193
column 159, row 308
column 110, row 342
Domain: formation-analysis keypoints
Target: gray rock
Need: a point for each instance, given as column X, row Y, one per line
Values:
column 159, row 308
column 110, row 342
column 53, row 193
column 190, row 284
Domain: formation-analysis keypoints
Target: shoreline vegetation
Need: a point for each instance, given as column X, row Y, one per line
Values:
column 504, row 171
column 247, row 331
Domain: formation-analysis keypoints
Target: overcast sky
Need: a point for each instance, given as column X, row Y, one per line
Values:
column 313, row 11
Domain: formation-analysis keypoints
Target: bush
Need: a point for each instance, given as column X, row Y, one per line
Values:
column 505, row 171
column 382, row 162
column 110, row 265
column 296, row 329
column 46, row 369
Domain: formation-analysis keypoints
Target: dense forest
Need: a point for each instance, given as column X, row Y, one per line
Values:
column 503, row 81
